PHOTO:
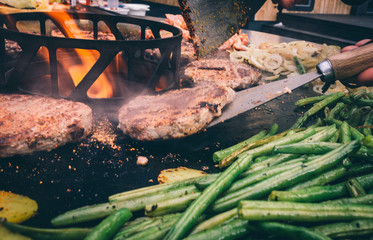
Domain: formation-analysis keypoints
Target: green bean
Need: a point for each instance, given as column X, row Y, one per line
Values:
column 307, row 148
column 317, row 107
column 368, row 124
column 152, row 233
column 323, row 135
column 155, row 189
column 288, row 231
column 319, row 193
column 355, row 119
column 285, row 179
column 345, row 133
column 370, row 95
column 355, row 188
column 262, row 158
column 133, row 228
column 268, row 145
column 335, row 137
column 363, row 153
column 232, row 230
column 368, row 141
column 97, row 211
column 346, row 230
column 272, row 161
column 326, row 111
column 302, row 212
column 171, row 205
column 358, row 94
column 266, row 173
column 46, row 233
column 312, row 100
column 358, row 169
column 226, row 161
column 215, row 221
column 256, row 172
column 322, row 179
column 219, row 155
column 344, row 114
column 346, row 99
column 365, row 102
column 106, row 229
column 365, row 199
column 299, row 65
column 273, row 130
column 336, row 110
column 319, row 122
column 208, row 196
column 355, row 134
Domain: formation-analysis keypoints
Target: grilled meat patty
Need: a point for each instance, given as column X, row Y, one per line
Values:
column 174, row 114
column 34, row 123
column 221, row 71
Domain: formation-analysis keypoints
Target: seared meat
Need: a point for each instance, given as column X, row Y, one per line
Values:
column 188, row 54
column 35, row 123
column 174, row 114
column 220, row 71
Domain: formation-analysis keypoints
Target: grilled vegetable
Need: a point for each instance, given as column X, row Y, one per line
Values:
column 110, row 225
column 302, row 212
column 285, row 179
column 221, row 154
column 289, row 231
column 346, row 230
column 320, row 193
column 317, row 107
column 178, row 174
column 231, row 230
column 8, row 235
column 16, row 208
column 299, row 65
column 46, row 233
column 191, row 214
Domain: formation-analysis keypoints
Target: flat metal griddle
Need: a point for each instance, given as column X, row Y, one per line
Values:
column 87, row 172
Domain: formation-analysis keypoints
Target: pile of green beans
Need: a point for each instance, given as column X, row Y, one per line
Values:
column 312, row 181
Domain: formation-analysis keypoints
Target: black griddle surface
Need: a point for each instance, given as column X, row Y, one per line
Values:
column 87, row 172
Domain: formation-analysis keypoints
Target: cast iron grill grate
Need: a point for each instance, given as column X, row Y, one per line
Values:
column 129, row 47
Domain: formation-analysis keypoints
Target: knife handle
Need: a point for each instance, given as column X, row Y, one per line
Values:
column 350, row 63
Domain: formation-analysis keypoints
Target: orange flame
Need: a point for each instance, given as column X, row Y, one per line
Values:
column 103, row 87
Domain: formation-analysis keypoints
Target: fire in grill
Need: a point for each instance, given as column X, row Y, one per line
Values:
column 73, row 54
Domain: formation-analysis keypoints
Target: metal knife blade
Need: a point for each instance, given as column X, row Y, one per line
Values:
column 252, row 97
column 340, row 66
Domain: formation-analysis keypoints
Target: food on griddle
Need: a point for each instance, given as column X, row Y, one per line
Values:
column 187, row 52
column 178, row 174
column 9, row 235
column 178, row 21
column 16, row 208
column 237, row 41
column 27, row 4
column 211, row 23
column 312, row 165
column 35, row 123
column 278, row 58
column 174, row 114
column 225, row 72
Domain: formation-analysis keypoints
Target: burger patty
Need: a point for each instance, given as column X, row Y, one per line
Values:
column 34, row 123
column 174, row 114
column 221, row 71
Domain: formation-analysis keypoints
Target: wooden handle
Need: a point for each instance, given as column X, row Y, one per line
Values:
column 350, row 63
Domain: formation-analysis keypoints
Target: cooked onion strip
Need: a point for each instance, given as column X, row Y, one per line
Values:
column 278, row 58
